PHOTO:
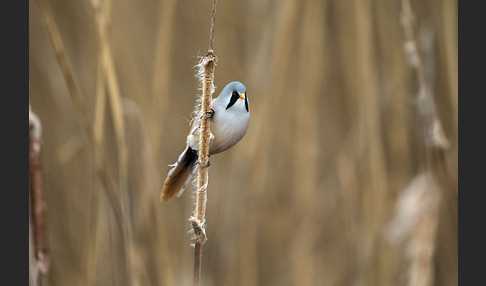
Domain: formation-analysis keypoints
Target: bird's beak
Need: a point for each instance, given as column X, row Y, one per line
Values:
column 242, row 95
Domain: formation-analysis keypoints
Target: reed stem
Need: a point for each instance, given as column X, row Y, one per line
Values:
column 38, row 202
column 208, row 64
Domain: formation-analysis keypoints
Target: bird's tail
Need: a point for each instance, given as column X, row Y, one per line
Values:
column 179, row 175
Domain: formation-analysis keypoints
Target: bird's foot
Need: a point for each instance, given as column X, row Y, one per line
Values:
column 205, row 165
column 208, row 114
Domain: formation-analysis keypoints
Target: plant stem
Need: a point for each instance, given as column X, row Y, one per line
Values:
column 197, row 262
column 198, row 220
column 38, row 202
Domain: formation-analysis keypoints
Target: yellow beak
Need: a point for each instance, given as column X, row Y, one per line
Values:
column 242, row 96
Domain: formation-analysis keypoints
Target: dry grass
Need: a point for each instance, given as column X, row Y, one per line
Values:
column 308, row 195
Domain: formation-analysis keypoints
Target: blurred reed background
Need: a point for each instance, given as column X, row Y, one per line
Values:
column 320, row 191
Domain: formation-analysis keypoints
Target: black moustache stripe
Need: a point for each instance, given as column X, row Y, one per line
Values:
column 246, row 103
column 234, row 98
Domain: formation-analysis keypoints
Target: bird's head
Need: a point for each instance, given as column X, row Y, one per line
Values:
column 234, row 96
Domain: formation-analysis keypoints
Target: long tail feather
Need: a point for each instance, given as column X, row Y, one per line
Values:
column 179, row 175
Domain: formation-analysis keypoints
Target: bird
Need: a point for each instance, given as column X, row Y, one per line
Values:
column 230, row 117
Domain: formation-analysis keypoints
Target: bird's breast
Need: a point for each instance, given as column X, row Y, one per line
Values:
column 228, row 128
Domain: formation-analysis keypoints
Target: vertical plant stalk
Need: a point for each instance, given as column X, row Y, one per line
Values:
column 114, row 92
column 77, row 98
column 436, row 143
column 162, row 77
column 207, row 63
column 98, row 124
column 415, row 225
column 38, row 203
column 57, row 45
column 34, row 279
column 433, row 132
column 197, row 262
column 116, row 106
column 206, row 67
column 211, row 30
column 422, row 243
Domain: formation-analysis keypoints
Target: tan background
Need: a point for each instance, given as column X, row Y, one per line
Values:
column 305, row 198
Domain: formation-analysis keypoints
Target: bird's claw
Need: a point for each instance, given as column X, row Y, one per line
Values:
column 205, row 165
column 209, row 114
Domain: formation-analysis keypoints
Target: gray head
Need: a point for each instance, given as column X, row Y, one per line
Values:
column 234, row 94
